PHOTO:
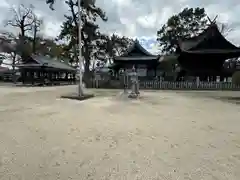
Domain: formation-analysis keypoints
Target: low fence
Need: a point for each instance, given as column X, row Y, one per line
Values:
column 166, row 85
column 188, row 85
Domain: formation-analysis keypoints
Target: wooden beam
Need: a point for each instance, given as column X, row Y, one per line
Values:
column 209, row 19
column 212, row 21
column 215, row 19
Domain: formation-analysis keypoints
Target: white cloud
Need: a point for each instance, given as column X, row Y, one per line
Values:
column 166, row 12
column 122, row 3
column 148, row 21
column 4, row 4
column 51, row 28
column 136, row 18
column 234, row 38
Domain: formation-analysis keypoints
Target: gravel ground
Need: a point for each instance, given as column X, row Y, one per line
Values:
column 226, row 96
column 164, row 135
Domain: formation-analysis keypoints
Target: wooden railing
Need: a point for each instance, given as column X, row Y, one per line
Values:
column 188, row 85
column 167, row 85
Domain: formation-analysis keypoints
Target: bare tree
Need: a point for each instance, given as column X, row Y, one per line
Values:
column 22, row 19
column 224, row 28
column 35, row 29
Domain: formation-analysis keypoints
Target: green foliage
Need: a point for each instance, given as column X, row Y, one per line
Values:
column 111, row 46
column 90, row 30
column 188, row 23
column 49, row 47
column 26, row 22
column 95, row 45
column 168, row 62
column 236, row 78
column 50, row 2
column 11, row 44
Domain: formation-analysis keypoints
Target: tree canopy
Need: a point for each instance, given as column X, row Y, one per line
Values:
column 30, row 40
column 95, row 44
column 90, row 30
column 189, row 22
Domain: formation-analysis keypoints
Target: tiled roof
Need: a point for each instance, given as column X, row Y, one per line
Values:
column 49, row 62
column 209, row 41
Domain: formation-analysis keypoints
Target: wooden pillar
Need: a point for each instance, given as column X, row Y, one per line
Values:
column 221, row 78
column 43, row 76
column 38, row 75
column 23, row 75
column 53, row 76
column 56, row 76
column 74, row 78
column 66, row 77
column 27, row 76
column 214, row 78
column 50, row 76
column 31, row 77
column 59, row 76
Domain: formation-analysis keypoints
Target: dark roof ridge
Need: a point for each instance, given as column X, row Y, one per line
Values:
column 47, row 61
column 137, row 44
column 190, row 43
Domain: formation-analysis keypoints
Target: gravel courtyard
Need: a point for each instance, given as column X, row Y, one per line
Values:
column 165, row 135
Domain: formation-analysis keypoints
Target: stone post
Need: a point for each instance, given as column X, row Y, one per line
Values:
column 198, row 81
column 134, row 84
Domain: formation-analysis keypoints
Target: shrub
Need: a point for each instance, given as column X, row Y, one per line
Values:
column 236, row 78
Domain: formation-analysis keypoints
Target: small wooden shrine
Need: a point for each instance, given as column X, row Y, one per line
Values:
column 144, row 62
column 44, row 70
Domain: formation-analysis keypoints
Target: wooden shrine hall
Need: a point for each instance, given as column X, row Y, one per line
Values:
column 43, row 70
column 144, row 62
column 205, row 54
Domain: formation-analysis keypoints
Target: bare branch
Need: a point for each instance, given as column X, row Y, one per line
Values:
column 224, row 28
column 22, row 18
column 215, row 19
column 12, row 24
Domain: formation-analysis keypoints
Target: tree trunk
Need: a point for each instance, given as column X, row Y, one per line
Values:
column 86, row 68
column 87, row 75
column 14, row 77
column 34, row 40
